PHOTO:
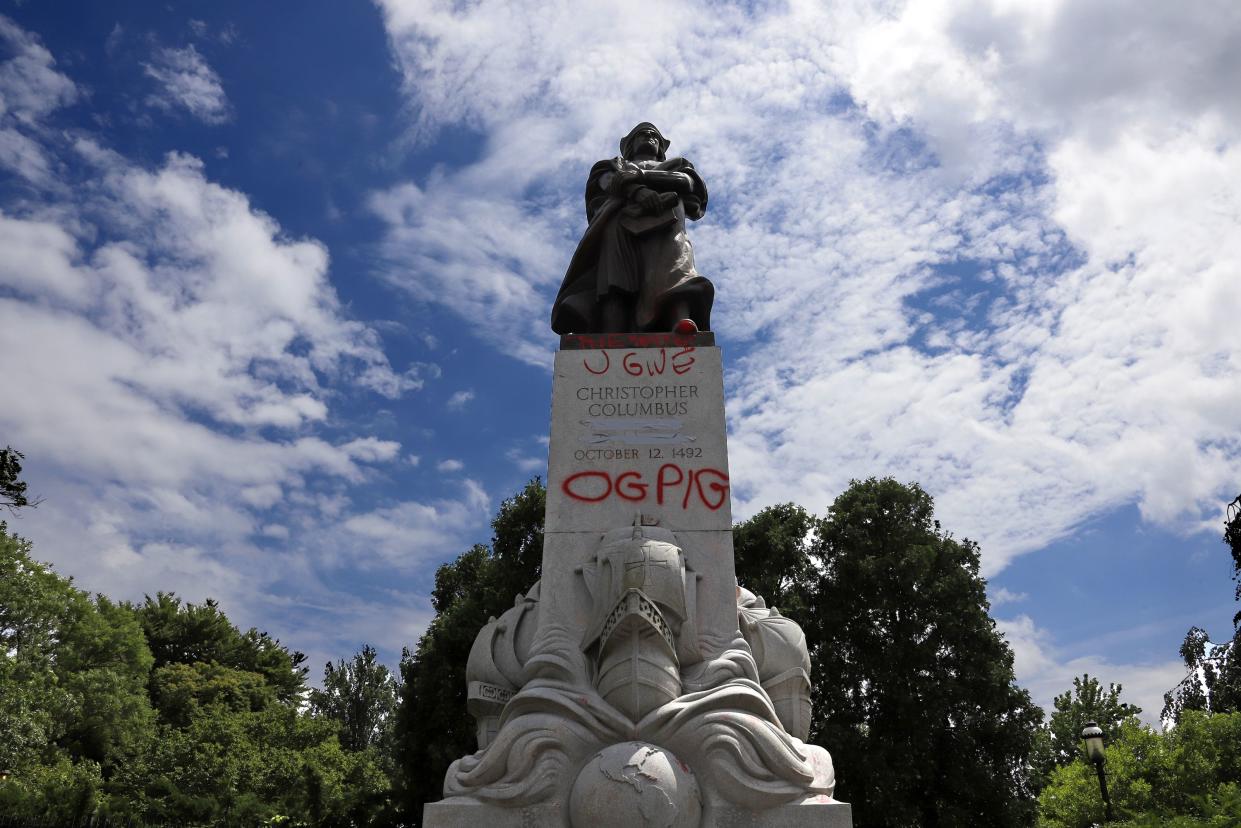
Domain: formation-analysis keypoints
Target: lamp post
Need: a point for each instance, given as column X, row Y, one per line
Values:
column 1093, row 736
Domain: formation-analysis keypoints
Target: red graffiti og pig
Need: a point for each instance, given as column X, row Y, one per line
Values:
column 707, row 486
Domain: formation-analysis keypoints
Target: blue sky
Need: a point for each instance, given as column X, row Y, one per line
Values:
column 274, row 287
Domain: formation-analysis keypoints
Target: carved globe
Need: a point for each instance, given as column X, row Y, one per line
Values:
column 635, row 784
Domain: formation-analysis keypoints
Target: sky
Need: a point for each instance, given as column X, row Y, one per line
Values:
column 275, row 283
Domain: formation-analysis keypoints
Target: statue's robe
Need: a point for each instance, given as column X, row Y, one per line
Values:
column 647, row 258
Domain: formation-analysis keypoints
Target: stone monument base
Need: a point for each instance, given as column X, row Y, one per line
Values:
column 826, row 814
column 460, row 812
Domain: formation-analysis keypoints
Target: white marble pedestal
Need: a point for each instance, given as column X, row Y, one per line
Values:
column 639, row 445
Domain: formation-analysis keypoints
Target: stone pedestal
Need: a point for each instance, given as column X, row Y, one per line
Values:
column 638, row 434
column 459, row 813
column 636, row 686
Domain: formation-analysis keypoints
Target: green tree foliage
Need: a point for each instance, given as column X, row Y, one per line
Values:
column 104, row 661
column 1213, row 680
column 773, row 558
column 185, row 633
column 1186, row 777
column 208, row 731
column 182, row 693
column 32, row 704
column 432, row 727
column 915, row 696
column 233, row 764
column 12, row 487
column 360, row 696
column 58, row 790
column 73, row 701
column 1232, row 537
column 1060, row 743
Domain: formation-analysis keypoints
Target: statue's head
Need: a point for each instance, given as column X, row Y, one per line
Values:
column 644, row 139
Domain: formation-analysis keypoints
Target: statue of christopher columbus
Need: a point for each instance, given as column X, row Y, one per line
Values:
column 633, row 270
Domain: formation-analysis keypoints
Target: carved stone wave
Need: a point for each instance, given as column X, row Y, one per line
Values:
column 729, row 734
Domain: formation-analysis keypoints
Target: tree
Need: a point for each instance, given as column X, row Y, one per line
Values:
column 103, row 660
column 1185, row 777
column 73, row 701
column 1213, row 679
column 772, row 554
column 360, row 696
column 1232, row 537
column 12, row 488
column 226, row 763
column 1060, row 743
column 915, row 694
column 181, row 692
column 32, row 703
column 185, row 633
column 208, row 732
column 433, row 727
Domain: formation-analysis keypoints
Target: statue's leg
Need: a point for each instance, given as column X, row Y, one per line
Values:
column 614, row 313
column 619, row 271
column 680, row 310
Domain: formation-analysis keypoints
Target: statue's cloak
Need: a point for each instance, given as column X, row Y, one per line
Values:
column 640, row 255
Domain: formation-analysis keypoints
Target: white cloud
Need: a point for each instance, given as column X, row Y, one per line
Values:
column 463, row 257
column 388, row 620
column 30, row 89
column 202, row 306
column 450, row 465
column 40, row 258
column 23, row 156
column 372, row 450
column 1081, row 158
column 1001, row 596
column 411, row 532
column 525, row 462
column 459, row 400
column 169, row 356
column 1047, row 673
column 1090, row 387
column 1094, row 68
column 188, row 82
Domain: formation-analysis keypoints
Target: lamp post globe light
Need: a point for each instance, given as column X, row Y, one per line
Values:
column 1092, row 734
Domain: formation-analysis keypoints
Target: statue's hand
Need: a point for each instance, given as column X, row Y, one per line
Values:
column 648, row 200
column 618, row 183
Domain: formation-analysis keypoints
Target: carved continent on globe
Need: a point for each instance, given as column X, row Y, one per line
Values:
column 634, row 784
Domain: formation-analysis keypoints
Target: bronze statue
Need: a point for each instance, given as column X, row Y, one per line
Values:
column 633, row 270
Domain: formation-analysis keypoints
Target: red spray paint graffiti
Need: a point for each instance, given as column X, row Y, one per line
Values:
column 672, row 482
column 637, row 364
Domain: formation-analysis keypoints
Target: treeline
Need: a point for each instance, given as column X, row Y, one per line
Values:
column 1188, row 775
column 164, row 712
column 914, row 690
column 914, row 693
